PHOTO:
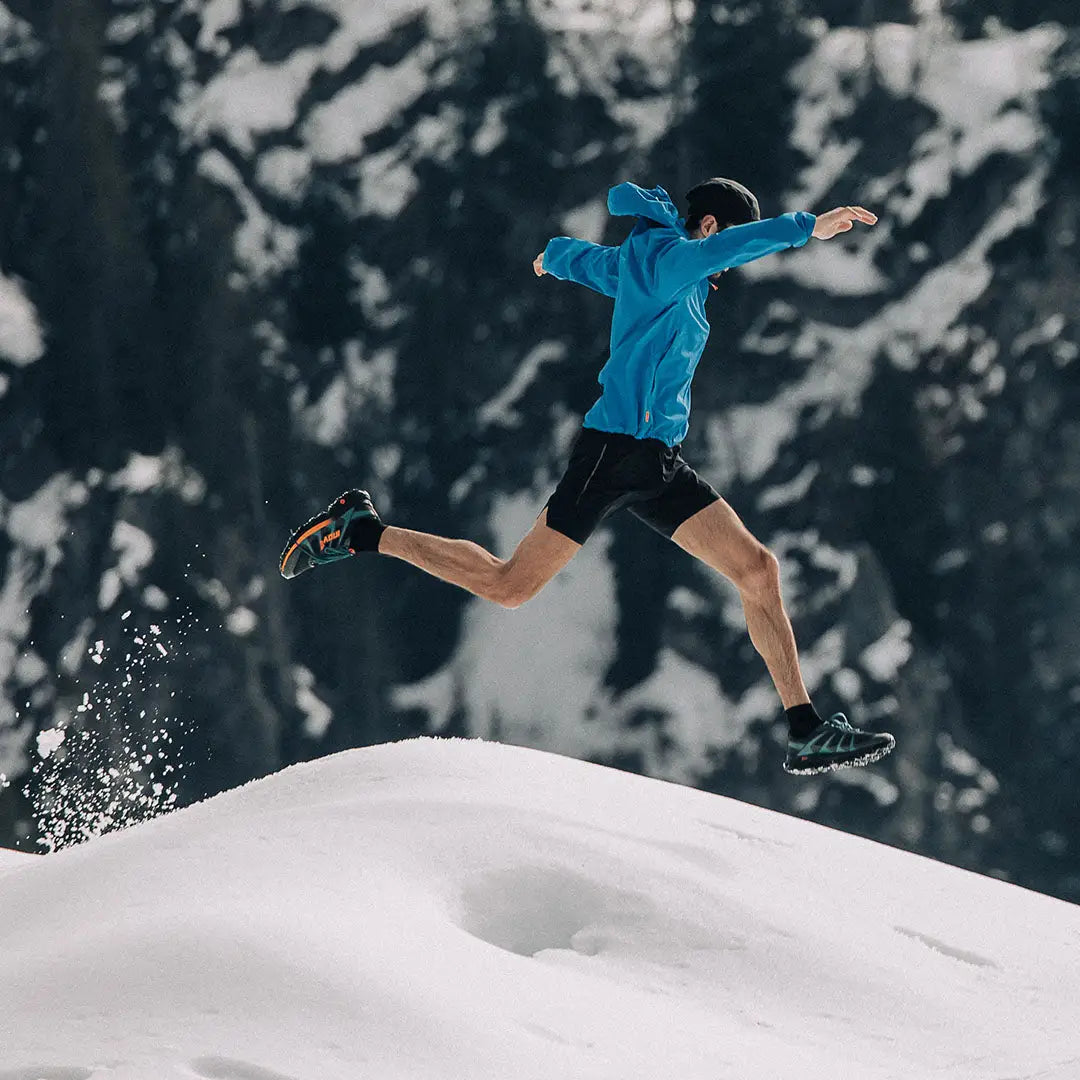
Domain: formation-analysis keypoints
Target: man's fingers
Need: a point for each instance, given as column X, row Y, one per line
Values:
column 843, row 219
column 863, row 215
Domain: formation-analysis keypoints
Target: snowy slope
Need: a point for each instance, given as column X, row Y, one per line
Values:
column 462, row 909
column 11, row 859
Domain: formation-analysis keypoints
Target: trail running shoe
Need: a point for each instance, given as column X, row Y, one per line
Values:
column 835, row 744
column 349, row 524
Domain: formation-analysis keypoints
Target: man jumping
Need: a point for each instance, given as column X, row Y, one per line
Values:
column 628, row 451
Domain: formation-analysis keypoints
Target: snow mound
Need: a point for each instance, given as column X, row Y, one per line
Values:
column 448, row 908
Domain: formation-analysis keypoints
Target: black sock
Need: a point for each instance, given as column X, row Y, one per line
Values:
column 802, row 719
column 364, row 534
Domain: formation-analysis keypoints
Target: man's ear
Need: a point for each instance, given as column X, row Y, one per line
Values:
column 709, row 225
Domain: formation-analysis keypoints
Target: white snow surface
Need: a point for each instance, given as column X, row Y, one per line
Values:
column 444, row 909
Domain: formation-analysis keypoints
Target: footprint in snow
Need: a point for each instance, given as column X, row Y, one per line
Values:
column 945, row 949
column 529, row 909
column 220, row 1068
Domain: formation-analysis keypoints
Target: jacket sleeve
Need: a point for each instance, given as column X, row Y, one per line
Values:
column 592, row 265
column 630, row 200
column 689, row 261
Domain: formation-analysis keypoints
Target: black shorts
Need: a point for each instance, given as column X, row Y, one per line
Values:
column 608, row 471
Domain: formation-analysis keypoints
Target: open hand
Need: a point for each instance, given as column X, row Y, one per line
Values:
column 538, row 265
column 841, row 220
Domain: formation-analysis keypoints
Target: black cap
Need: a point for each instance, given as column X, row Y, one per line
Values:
column 727, row 200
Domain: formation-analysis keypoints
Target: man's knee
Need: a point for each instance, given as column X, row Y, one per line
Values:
column 536, row 560
column 759, row 578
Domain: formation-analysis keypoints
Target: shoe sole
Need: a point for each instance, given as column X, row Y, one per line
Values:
column 313, row 525
column 292, row 548
column 856, row 762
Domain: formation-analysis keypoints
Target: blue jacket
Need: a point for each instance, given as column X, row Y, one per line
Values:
column 659, row 279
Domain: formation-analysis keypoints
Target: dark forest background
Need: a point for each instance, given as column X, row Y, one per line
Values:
column 255, row 286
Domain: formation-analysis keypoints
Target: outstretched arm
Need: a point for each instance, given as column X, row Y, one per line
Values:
column 591, row 265
column 684, row 264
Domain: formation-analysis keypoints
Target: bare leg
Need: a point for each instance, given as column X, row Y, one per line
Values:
column 510, row 582
column 718, row 537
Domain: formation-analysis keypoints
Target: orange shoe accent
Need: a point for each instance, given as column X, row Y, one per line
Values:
column 329, row 538
column 301, row 538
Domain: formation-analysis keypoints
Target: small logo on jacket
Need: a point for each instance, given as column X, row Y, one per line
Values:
column 329, row 538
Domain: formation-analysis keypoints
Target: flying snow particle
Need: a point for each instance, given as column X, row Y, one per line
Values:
column 49, row 740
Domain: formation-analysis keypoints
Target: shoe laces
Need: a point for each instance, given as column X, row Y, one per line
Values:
column 839, row 720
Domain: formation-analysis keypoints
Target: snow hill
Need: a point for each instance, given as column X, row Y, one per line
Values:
column 458, row 909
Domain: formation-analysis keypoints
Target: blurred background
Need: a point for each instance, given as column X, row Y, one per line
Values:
column 253, row 252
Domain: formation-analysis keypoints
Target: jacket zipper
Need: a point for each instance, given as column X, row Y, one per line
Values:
column 652, row 395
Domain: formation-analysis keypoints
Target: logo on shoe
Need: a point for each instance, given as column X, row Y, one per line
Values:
column 329, row 538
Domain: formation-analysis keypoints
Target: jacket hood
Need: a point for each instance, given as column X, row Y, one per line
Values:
column 629, row 200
